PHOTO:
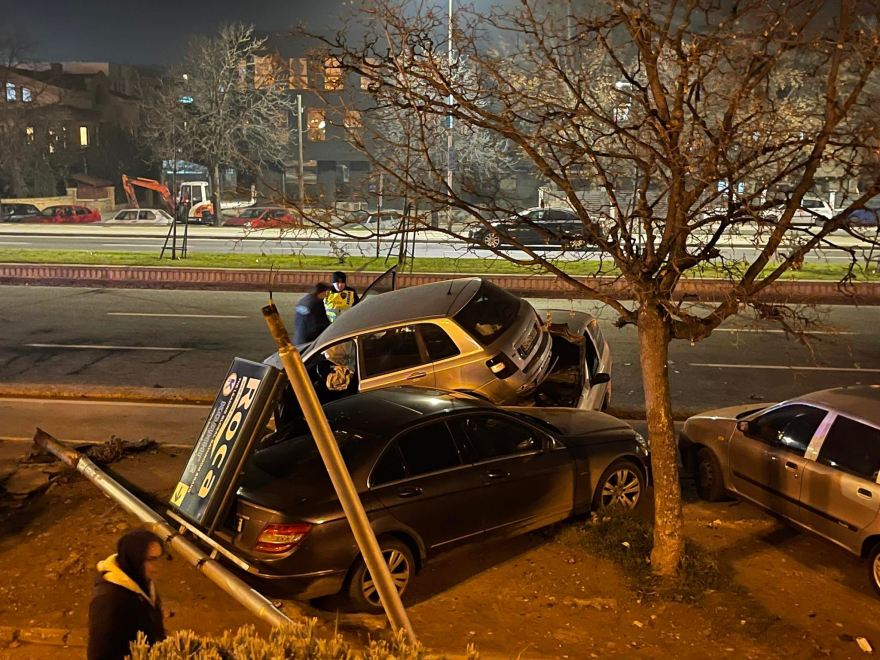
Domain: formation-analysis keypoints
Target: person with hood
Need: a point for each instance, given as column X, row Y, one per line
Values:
column 310, row 319
column 341, row 297
column 124, row 600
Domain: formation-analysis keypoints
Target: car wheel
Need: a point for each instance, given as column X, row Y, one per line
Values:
column 492, row 240
column 874, row 568
column 708, row 477
column 362, row 592
column 623, row 483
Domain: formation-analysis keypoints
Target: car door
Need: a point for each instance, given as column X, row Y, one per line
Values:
column 386, row 282
column 840, row 496
column 598, row 360
column 767, row 456
column 146, row 216
column 394, row 356
column 424, row 482
column 531, row 229
column 528, row 477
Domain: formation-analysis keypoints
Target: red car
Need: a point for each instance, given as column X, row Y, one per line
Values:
column 65, row 214
column 262, row 218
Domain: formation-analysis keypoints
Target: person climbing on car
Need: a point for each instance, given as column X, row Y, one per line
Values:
column 340, row 298
column 310, row 319
column 124, row 600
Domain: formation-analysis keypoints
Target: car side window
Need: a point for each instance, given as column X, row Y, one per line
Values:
column 852, row 447
column 496, row 437
column 790, row 428
column 388, row 468
column 147, row 215
column 439, row 345
column 429, row 449
column 390, row 350
column 80, row 210
column 592, row 356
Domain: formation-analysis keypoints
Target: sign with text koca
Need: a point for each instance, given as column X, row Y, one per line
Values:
column 238, row 418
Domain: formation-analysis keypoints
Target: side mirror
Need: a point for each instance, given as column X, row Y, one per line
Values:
column 743, row 427
column 600, row 378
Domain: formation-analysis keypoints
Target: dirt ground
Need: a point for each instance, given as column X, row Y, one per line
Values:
column 786, row 595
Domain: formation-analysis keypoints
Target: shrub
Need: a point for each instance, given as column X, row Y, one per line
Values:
column 620, row 535
column 296, row 642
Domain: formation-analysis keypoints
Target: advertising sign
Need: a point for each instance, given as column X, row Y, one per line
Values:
column 238, row 417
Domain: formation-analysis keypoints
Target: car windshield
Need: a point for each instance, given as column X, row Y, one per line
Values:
column 252, row 213
column 811, row 204
column 489, row 313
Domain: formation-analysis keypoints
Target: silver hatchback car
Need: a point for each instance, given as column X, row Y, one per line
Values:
column 813, row 460
column 466, row 335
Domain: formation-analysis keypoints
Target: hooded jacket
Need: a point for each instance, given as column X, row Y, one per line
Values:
column 310, row 319
column 120, row 609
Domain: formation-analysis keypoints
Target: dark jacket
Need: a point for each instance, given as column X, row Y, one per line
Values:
column 310, row 319
column 118, row 611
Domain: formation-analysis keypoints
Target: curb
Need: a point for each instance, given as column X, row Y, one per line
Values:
column 11, row 636
column 538, row 286
column 179, row 396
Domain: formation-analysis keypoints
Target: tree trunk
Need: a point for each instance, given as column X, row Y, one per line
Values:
column 215, row 194
column 653, row 353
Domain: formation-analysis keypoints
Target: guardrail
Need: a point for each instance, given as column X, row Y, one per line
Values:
column 533, row 286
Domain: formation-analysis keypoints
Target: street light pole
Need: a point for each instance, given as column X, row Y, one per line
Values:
column 449, row 147
column 299, row 142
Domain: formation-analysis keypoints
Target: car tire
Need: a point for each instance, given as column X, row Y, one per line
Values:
column 492, row 240
column 360, row 590
column 708, row 477
column 874, row 567
column 622, row 483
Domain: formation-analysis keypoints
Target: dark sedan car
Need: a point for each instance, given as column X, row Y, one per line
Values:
column 15, row 212
column 548, row 228
column 437, row 471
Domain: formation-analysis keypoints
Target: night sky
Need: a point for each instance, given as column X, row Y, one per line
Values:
column 146, row 31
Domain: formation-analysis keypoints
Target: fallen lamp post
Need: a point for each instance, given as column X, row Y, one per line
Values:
column 210, row 567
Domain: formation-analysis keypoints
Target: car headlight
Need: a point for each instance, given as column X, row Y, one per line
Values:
column 643, row 444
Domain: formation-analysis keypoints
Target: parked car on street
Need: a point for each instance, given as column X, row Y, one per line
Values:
column 262, row 218
column 813, row 461
column 15, row 212
column 466, row 335
column 437, row 472
column 868, row 217
column 559, row 228
column 64, row 214
column 141, row 217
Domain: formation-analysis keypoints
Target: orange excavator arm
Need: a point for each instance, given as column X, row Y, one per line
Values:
column 150, row 184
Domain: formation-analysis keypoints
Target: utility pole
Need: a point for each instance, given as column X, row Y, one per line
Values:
column 299, row 142
column 449, row 147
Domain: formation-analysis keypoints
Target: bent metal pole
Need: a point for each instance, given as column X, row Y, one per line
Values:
column 339, row 475
column 251, row 599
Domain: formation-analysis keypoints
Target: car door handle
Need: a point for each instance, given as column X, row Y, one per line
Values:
column 497, row 474
column 409, row 492
column 866, row 494
column 792, row 467
column 416, row 375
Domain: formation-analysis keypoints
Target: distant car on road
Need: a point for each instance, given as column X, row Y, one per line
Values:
column 866, row 217
column 141, row 217
column 436, row 471
column 15, row 212
column 813, row 460
column 64, row 214
column 262, row 218
column 556, row 228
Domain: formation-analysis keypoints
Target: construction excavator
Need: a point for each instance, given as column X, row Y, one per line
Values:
column 195, row 194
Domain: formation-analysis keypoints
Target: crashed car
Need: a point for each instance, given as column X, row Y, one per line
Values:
column 465, row 335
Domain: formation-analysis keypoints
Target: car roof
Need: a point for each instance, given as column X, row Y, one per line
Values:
column 861, row 401
column 416, row 303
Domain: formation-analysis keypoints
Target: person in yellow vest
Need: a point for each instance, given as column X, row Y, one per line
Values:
column 340, row 298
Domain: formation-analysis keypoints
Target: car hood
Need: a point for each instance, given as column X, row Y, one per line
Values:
column 731, row 412
column 576, row 424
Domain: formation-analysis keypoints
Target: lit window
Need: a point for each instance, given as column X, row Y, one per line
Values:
column 299, row 73
column 27, row 94
column 333, row 78
column 366, row 81
column 83, row 136
column 263, row 72
column 11, row 93
column 53, row 138
column 317, row 125
column 281, row 125
column 30, row 134
column 352, row 119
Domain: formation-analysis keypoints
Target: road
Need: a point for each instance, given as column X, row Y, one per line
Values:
column 224, row 240
column 187, row 339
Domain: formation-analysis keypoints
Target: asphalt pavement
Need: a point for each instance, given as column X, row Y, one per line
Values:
column 171, row 339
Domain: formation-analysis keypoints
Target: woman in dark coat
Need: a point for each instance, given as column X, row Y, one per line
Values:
column 124, row 601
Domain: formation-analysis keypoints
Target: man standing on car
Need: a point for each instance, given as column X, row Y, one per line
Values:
column 310, row 319
column 340, row 298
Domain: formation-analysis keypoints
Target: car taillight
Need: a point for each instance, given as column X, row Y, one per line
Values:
column 276, row 538
column 501, row 366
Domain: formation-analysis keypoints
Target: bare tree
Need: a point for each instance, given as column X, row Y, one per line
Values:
column 218, row 109
column 668, row 126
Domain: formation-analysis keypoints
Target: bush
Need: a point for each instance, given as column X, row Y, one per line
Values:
column 620, row 535
column 296, row 642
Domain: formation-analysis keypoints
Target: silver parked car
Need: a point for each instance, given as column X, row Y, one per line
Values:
column 466, row 335
column 813, row 460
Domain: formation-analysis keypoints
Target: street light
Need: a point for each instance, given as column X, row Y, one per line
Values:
column 449, row 147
